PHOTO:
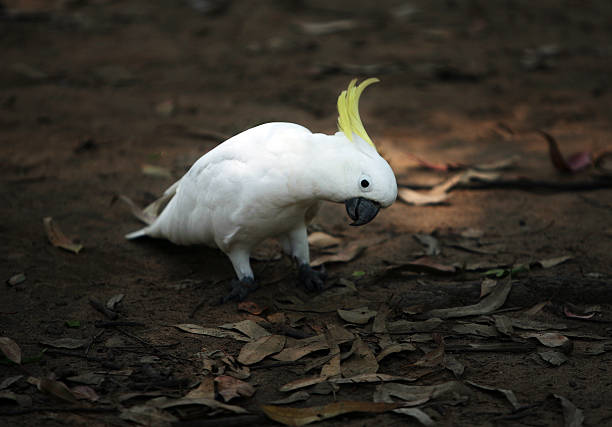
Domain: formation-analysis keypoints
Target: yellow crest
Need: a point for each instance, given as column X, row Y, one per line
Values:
column 349, row 121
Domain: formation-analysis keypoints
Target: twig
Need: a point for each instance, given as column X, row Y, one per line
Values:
column 114, row 324
column 102, row 309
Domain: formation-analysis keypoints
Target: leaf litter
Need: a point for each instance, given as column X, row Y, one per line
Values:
column 57, row 238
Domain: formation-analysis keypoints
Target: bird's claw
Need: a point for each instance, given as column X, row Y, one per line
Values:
column 240, row 289
column 310, row 279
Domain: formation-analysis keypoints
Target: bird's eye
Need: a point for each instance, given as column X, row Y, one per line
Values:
column 365, row 183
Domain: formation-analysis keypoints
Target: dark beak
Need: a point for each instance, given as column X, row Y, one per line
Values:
column 361, row 210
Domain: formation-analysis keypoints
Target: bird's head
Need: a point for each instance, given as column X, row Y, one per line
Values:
column 369, row 181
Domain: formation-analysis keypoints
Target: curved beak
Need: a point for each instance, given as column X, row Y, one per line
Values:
column 361, row 210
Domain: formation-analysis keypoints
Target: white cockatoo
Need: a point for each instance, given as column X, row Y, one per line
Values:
column 269, row 181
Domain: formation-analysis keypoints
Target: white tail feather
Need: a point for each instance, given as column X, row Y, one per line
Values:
column 138, row 233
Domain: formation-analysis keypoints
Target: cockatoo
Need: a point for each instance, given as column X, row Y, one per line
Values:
column 269, row 181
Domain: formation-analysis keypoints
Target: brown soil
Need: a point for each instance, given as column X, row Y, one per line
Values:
column 90, row 91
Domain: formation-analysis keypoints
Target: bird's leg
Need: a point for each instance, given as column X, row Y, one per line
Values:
column 245, row 283
column 309, row 278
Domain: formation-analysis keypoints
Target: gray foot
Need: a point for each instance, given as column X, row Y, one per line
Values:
column 240, row 289
column 310, row 279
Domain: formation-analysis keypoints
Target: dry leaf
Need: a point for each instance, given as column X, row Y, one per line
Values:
column 303, row 416
column 549, row 339
column 509, row 394
column 573, row 416
column 302, row 348
column 322, row 240
column 428, row 265
column 302, row 383
column 504, row 325
column 453, row 365
column 249, row 328
column 206, row 389
column 89, row 378
column 574, row 163
column 16, row 279
column 361, row 362
column 83, row 392
column 551, row 262
column 7, row 382
column 256, row 351
column 213, row 332
column 230, row 387
column 434, row 357
column 498, row 164
column 490, row 303
column 487, row 286
column 553, row 357
column 148, row 416
column 421, row 394
column 298, row 396
column 20, row 399
column 394, row 348
column 475, row 329
column 68, row 343
column 332, row 367
column 344, row 254
column 10, row 349
column 57, row 238
column 324, row 28
column 251, row 307
column 56, row 389
column 359, row 316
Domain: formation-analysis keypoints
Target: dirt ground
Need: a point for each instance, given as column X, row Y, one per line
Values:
column 93, row 93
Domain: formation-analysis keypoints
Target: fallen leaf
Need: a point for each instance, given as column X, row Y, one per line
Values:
column 251, row 307
column 498, row 164
column 573, row 416
column 303, row 416
column 68, row 343
column 509, row 394
column 490, row 303
column 504, row 325
column 165, row 108
column 345, row 254
column 72, row 323
column 57, row 238
column 432, row 245
column 302, row 383
column 394, row 348
column 453, row 365
column 535, row 309
column 487, row 286
column 549, row 339
column 361, row 362
column 321, row 240
column 568, row 313
column 206, row 389
column 10, row 349
column 148, row 416
column 302, row 348
column 331, row 368
column 298, row 396
column 213, row 332
column 434, row 357
column 553, row 357
column 83, row 392
column 369, row 378
column 421, row 394
column 472, row 233
column 112, row 302
column 428, row 265
column 248, row 328
column 16, row 279
column 258, row 350
column 359, row 316
column 422, row 198
column 7, row 382
column 407, row 327
column 551, row 262
column 230, row 387
column 89, row 378
column 56, row 389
